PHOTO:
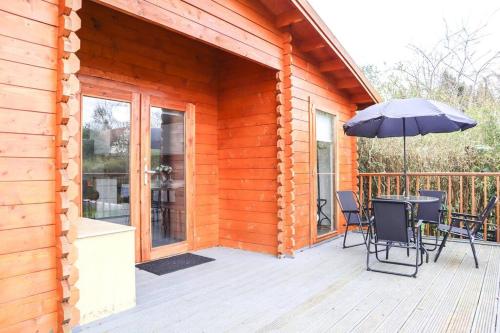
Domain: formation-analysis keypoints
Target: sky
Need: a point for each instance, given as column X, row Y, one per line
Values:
column 379, row 32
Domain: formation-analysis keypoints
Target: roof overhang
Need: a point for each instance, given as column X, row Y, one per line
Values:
column 314, row 39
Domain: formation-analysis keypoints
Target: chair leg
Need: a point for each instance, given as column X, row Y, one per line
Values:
column 368, row 253
column 345, row 235
column 387, row 248
column 443, row 242
column 474, row 252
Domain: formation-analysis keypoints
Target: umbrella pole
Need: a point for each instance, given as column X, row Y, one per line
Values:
column 406, row 192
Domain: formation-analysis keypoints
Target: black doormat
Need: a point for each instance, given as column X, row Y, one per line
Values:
column 172, row 264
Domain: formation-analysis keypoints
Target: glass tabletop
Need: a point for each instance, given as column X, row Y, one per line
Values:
column 410, row 198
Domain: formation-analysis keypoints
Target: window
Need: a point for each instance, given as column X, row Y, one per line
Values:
column 106, row 159
column 326, row 171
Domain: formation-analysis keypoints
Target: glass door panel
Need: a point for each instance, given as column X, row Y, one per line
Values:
column 106, row 159
column 168, row 190
column 325, row 152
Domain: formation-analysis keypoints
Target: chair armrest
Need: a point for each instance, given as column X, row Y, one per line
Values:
column 453, row 214
column 463, row 219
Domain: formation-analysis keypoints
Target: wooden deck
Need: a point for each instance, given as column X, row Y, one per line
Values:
column 324, row 288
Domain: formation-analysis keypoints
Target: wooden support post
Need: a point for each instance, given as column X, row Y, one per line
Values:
column 67, row 153
column 286, row 177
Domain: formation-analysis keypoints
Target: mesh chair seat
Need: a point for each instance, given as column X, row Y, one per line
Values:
column 363, row 222
column 454, row 230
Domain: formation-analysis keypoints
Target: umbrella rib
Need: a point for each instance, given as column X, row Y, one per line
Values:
column 418, row 125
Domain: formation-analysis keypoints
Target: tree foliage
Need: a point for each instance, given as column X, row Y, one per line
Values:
column 454, row 72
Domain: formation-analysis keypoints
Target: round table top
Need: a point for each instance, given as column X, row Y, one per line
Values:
column 410, row 198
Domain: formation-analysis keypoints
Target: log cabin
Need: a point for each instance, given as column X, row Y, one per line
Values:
column 198, row 123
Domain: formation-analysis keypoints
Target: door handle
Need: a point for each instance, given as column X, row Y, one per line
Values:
column 147, row 173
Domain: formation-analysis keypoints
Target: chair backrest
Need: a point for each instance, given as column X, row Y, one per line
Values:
column 488, row 209
column 484, row 215
column 348, row 203
column 391, row 220
column 431, row 211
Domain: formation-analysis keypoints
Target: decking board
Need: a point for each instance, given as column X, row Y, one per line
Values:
column 324, row 288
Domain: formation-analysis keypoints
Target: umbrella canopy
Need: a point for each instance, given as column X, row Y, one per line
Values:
column 418, row 115
column 407, row 117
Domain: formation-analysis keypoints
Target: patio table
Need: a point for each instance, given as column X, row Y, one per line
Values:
column 413, row 199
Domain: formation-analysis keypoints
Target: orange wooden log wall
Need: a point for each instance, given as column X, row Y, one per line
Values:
column 247, row 156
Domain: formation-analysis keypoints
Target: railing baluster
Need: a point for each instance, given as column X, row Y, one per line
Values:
column 485, row 200
column 461, row 200
column 439, row 182
column 449, row 198
column 473, row 194
column 498, row 210
column 379, row 180
column 369, row 189
column 428, row 182
column 388, row 181
column 361, row 191
column 461, row 193
column 397, row 184
column 417, row 185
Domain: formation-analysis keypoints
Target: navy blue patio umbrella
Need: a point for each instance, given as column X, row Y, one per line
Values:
column 407, row 117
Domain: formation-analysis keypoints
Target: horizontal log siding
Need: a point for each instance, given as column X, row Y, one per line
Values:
column 119, row 47
column 308, row 82
column 214, row 22
column 247, row 157
column 28, row 296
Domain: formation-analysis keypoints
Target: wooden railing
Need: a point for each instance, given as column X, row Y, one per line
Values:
column 466, row 192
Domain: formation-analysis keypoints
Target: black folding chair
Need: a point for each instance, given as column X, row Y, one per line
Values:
column 471, row 224
column 393, row 228
column 353, row 212
column 432, row 213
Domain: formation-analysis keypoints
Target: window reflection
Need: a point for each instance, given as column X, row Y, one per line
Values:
column 168, row 214
column 105, row 159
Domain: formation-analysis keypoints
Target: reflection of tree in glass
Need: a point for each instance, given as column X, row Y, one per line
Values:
column 103, row 119
column 106, row 137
